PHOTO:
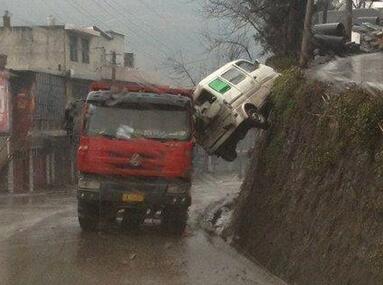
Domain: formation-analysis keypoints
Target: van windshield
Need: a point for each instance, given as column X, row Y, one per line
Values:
column 132, row 122
column 234, row 76
column 248, row 66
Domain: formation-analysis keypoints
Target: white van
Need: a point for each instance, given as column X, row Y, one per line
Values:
column 229, row 102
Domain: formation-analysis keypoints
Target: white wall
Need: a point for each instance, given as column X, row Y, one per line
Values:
column 39, row 48
column 101, row 49
column 47, row 48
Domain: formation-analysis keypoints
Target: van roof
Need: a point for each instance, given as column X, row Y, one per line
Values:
column 219, row 71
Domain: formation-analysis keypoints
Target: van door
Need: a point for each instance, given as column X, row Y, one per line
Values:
column 261, row 73
column 243, row 82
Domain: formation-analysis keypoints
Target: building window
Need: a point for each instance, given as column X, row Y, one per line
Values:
column 85, row 50
column 73, row 48
column 129, row 59
column 114, row 58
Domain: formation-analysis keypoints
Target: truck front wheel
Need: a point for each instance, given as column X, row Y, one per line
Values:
column 88, row 216
column 174, row 219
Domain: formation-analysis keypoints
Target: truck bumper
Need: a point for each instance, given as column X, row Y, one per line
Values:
column 154, row 192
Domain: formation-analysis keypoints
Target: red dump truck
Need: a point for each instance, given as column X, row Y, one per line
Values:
column 135, row 156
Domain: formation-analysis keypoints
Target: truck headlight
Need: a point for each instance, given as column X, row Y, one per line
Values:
column 88, row 183
column 176, row 189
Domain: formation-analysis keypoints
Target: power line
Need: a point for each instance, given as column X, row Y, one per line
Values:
column 22, row 19
column 84, row 12
column 162, row 18
column 111, row 9
column 118, row 11
column 46, row 4
column 127, row 25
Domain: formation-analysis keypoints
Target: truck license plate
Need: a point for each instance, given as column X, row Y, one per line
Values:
column 132, row 197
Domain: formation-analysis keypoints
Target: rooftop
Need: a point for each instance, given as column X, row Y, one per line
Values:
column 91, row 31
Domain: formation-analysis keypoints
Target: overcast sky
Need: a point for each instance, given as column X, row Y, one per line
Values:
column 155, row 29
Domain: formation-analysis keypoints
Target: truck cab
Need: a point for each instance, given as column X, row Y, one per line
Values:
column 229, row 102
column 135, row 158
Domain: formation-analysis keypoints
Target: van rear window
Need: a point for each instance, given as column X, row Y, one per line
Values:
column 219, row 86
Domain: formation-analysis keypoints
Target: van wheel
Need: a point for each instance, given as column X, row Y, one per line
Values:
column 256, row 119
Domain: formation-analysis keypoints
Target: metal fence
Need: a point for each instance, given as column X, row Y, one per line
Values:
column 50, row 102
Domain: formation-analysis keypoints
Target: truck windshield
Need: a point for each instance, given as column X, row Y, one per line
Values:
column 163, row 123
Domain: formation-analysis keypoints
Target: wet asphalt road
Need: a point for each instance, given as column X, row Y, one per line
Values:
column 41, row 243
column 366, row 70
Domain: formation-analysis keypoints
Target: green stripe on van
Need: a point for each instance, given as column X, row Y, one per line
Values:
column 219, row 86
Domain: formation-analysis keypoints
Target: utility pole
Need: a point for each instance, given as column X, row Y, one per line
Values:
column 307, row 33
column 348, row 13
column 114, row 63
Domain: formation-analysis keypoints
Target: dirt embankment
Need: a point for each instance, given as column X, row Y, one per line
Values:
column 311, row 207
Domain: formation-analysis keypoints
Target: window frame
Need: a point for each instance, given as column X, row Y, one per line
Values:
column 73, row 48
column 239, row 72
column 92, row 107
column 85, row 50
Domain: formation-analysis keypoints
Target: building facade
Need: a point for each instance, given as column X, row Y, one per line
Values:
column 47, row 68
column 63, row 49
column 35, row 151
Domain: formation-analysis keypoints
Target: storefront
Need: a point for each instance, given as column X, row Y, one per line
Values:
column 33, row 145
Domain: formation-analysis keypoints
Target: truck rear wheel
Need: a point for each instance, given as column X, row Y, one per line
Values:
column 88, row 216
column 174, row 219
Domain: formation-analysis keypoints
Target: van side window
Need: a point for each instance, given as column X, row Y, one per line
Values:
column 247, row 66
column 234, row 76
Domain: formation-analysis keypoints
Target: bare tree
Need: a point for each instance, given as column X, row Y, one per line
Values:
column 372, row 3
column 180, row 70
column 277, row 24
column 231, row 45
column 358, row 4
column 306, row 46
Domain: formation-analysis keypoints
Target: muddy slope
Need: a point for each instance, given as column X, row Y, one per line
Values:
column 311, row 207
